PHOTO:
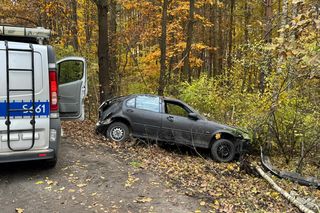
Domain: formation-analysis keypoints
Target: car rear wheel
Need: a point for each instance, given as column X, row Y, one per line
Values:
column 118, row 132
column 223, row 150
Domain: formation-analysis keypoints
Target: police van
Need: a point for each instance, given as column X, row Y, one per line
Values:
column 36, row 93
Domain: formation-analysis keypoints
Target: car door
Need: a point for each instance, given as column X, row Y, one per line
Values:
column 72, row 87
column 143, row 111
column 176, row 126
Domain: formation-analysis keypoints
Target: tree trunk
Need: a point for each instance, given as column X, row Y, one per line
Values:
column 74, row 24
column 88, row 29
column 186, row 67
column 229, row 59
column 220, row 46
column 246, row 42
column 103, row 52
column 268, row 39
column 163, row 48
column 113, row 46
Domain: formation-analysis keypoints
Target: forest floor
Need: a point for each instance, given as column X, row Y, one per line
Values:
column 88, row 178
column 96, row 175
column 213, row 186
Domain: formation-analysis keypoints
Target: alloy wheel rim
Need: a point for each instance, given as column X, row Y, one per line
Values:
column 117, row 134
column 224, row 151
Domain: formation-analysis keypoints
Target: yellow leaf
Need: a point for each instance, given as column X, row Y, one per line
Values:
column 19, row 210
column 230, row 167
column 81, row 185
column 62, row 188
column 144, row 200
column 39, row 182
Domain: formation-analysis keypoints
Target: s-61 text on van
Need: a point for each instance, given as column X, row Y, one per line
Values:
column 36, row 92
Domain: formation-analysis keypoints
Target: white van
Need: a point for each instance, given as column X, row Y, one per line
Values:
column 36, row 92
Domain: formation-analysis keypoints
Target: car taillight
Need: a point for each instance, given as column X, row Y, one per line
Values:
column 53, row 90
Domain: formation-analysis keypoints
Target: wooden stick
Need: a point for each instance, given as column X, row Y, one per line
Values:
column 283, row 192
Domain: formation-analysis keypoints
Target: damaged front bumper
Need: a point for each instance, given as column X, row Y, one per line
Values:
column 243, row 146
column 101, row 126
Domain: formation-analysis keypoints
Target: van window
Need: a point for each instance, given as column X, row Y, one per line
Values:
column 70, row 71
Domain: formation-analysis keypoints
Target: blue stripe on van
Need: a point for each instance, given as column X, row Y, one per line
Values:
column 42, row 109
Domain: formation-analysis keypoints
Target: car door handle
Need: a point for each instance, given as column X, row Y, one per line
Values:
column 170, row 118
column 130, row 110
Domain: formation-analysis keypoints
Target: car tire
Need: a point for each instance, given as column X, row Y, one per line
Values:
column 118, row 132
column 223, row 150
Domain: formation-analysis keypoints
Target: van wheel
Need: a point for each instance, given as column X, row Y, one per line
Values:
column 223, row 150
column 50, row 164
column 118, row 132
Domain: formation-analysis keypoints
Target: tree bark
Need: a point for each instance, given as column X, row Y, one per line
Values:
column 229, row 59
column 74, row 24
column 105, row 88
column 268, row 39
column 88, row 28
column 220, row 45
column 186, row 67
column 113, row 46
column 246, row 42
column 163, row 48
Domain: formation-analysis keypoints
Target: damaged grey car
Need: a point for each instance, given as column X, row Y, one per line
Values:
column 169, row 120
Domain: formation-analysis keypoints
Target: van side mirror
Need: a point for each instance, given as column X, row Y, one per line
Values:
column 193, row 116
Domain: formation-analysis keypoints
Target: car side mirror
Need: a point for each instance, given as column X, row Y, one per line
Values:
column 193, row 116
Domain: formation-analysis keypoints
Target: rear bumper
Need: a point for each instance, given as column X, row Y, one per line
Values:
column 27, row 155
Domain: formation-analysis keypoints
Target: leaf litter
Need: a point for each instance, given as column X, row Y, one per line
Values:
column 220, row 186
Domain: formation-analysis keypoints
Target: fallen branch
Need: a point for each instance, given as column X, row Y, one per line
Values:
column 283, row 192
column 306, row 181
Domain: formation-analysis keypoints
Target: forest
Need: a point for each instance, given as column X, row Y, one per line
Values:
column 252, row 64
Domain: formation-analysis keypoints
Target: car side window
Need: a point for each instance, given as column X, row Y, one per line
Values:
column 131, row 103
column 176, row 109
column 148, row 103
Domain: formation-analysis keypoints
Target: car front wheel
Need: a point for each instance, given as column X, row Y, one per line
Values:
column 223, row 150
column 118, row 132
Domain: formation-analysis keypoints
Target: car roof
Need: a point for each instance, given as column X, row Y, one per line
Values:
column 152, row 95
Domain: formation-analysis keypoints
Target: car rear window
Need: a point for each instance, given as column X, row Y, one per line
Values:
column 131, row 103
column 148, row 103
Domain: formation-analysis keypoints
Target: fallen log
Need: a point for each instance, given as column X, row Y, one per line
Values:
column 283, row 192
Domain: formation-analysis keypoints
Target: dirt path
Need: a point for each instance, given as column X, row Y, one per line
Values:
column 87, row 180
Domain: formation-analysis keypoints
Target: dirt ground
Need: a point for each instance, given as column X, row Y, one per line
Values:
column 88, row 180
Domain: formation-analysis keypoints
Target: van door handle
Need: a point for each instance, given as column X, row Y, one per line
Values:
column 170, row 118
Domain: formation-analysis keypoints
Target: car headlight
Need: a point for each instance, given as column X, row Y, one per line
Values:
column 245, row 136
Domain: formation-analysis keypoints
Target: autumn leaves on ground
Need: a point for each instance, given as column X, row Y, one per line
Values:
column 216, row 186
